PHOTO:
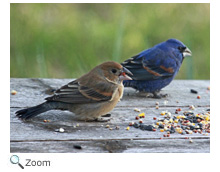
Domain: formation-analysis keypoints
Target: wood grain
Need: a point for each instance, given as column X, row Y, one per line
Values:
column 36, row 135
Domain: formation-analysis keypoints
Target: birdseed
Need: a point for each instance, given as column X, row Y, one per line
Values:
column 61, row 130
column 186, row 122
column 137, row 110
column 13, row 92
column 194, row 91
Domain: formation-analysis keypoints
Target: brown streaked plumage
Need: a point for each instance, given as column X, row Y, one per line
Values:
column 89, row 97
column 151, row 71
column 169, row 69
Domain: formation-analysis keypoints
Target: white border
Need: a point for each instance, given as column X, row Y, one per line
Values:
column 114, row 162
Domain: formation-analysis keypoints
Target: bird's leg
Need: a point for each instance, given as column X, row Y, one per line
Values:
column 107, row 115
column 156, row 95
column 101, row 120
column 142, row 94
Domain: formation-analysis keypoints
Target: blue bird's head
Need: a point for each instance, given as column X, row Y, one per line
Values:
column 178, row 47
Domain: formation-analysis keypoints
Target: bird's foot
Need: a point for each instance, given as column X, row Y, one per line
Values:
column 159, row 96
column 154, row 95
column 107, row 115
column 101, row 120
column 143, row 94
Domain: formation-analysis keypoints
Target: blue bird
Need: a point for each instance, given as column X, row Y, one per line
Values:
column 154, row 68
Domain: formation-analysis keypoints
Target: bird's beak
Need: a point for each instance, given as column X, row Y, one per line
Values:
column 187, row 52
column 123, row 75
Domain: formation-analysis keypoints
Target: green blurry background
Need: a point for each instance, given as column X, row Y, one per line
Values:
column 67, row 40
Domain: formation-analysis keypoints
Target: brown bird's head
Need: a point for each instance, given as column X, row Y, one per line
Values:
column 114, row 72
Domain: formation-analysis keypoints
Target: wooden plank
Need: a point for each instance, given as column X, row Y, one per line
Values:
column 37, row 129
column 33, row 135
column 33, row 91
column 114, row 146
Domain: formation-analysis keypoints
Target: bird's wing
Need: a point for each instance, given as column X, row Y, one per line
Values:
column 151, row 64
column 76, row 93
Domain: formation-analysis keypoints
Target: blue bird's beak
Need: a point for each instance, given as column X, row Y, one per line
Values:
column 187, row 52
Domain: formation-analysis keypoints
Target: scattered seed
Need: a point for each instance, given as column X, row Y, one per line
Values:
column 194, row 91
column 61, row 130
column 161, row 130
column 200, row 131
column 157, row 107
column 186, row 122
column 107, row 126
column 77, row 146
column 157, row 103
column 178, row 117
column 168, row 114
column 117, row 127
column 46, row 120
column 128, row 128
column 141, row 115
column 192, row 107
column 198, row 97
column 131, row 123
column 13, row 92
column 198, row 120
column 163, row 113
column 137, row 110
column 176, row 120
column 179, row 109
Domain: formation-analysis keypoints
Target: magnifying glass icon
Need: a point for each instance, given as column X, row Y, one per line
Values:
column 15, row 160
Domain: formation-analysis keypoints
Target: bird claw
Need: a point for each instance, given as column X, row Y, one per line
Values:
column 159, row 96
column 155, row 95
column 107, row 115
column 101, row 120
column 143, row 94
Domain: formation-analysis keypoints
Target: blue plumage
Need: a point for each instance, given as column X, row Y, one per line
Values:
column 155, row 68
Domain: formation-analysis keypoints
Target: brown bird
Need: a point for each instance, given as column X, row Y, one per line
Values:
column 89, row 97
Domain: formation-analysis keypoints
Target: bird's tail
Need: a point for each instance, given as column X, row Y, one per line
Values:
column 33, row 111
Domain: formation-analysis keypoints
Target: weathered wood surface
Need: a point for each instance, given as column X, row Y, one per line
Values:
column 37, row 136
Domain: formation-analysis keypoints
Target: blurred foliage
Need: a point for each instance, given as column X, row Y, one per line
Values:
column 67, row 40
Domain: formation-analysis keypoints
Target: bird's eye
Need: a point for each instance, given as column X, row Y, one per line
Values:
column 114, row 70
column 181, row 48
